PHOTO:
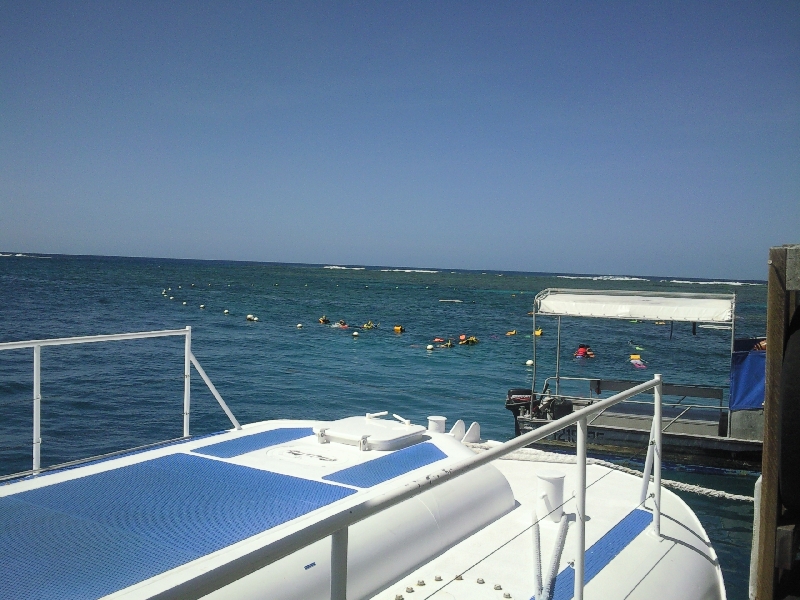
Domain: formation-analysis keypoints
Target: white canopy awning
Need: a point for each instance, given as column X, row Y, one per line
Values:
column 648, row 306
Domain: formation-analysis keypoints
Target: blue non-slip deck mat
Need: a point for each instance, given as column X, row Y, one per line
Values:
column 388, row 466
column 603, row 551
column 251, row 443
column 92, row 536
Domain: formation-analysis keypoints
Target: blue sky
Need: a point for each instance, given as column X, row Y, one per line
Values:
column 658, row 138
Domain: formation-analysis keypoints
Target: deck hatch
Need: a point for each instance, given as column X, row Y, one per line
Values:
column 95, row 535
column 256, row 441
column 603, row 551
column 388, row 466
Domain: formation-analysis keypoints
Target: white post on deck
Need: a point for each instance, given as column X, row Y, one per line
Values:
column 187, row 384
column 657, row 455
column 37, row 408
column 558, row 357
column 339, row 564
column 580, row 553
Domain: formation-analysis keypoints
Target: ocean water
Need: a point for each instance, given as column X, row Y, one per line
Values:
column 100, row 398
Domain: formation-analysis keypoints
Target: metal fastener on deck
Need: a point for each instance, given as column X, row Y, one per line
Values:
column 400, row 597
column 409, row 590
column 421, row 582
column 437, row 578
column 458, row 578
column 497, row 586
column 480, row 580
column 506, row 595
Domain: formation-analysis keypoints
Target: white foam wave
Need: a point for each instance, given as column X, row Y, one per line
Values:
column 602, row 277
column 344, row 268
column 407, row 271
column 713, row 282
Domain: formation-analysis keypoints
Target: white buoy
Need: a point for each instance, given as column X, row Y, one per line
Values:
column 172, row 297
column 225, row 311
column 430, row 347
column 184, row 303
column 355, row 334
column 529, row 363
column 179, row 287
column 202, row 306
column 299, row 325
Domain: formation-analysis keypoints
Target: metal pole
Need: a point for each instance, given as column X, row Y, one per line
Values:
column 558, row 357
column 533, row 382
column 657, row 456
column 339, row 564
column 214, row 391
column 37, row 408
column 733, row 323
column 580, row 553
column 187, row 384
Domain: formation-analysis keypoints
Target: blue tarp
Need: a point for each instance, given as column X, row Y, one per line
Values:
column 748, row 370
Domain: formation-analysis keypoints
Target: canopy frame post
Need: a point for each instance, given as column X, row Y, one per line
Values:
column 533, row 380
column 558, row 357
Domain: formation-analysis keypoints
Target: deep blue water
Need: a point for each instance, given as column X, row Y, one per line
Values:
column 104, row 397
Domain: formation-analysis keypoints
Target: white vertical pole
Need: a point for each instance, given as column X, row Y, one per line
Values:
column 558, row 357
column 339, row 565
column 537, row 556
column 37, row 408
column 657, row 457
column 533, row 382
column 580, row 551
column 187, row 365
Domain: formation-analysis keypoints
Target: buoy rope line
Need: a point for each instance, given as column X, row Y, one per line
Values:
column 533, row 455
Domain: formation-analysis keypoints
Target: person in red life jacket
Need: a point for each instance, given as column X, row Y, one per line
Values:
column 584, row 351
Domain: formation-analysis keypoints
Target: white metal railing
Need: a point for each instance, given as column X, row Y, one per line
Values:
column 189, row 359
column 336, row 525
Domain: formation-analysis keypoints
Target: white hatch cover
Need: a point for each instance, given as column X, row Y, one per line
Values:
column 370, row 433
column 648, row 306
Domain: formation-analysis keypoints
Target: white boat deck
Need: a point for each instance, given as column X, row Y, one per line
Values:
column 141, row 525
column 501, row 555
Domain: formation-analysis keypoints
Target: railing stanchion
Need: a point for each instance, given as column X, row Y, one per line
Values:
column 339, row 564
column 580, row 551
column 37, row 408
column 657, row 455
column 187, row 383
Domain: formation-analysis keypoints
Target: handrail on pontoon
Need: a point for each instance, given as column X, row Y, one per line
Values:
column 189, row 359
column 336, row 526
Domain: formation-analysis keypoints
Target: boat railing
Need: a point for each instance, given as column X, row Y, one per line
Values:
column 597, row 386
column 336, row 526
column 189, row 360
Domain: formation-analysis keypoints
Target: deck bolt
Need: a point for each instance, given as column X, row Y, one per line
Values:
column 497, row 586
column 409, row 590
column 421, row 582
column 437, row 578
column 398, row 597
column 480, row 580
column 458, row 578
column 506, row 595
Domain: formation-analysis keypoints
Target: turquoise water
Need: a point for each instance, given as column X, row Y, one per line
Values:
column 104, row 397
